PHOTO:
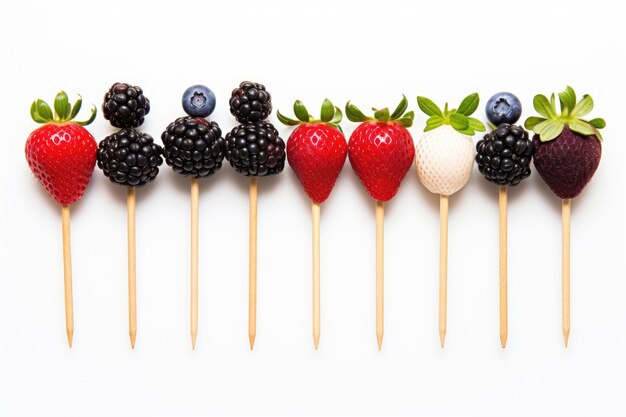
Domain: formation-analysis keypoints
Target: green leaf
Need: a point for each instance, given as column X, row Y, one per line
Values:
column 35, row 115
column 399, row 111
column 91, row 118
column 582, row 127
column 469, row 131
column 553, row 102
column 428, row 107
column 543, row 106
column 568, row 99
column 459, row 121
column 337, row 117
column 62, row 106
column 76, row 107
column 44, row 110
column 354, row 114
column 427, row 128
column 407, row 119
column 533, row 121
column 382, row 115
column 286, row 120
column 476, row 124
column 598, row 123
column 435, row 121
column 583, row 107
column 469, row 104
column 328, row 111
column 550, row 130
column 300, row 111
column 598, row 134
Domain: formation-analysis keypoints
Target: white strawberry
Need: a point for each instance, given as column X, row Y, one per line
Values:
column 444, row 157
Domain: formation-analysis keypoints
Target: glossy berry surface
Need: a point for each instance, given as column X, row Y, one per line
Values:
column 193, row 147
column 62, row 158
column 503, row 108
column 250, row 102
column 129, row 158
column 504, row 154
column 380, row 154
column 198, row 101
column 568, row 162
column 125, row 105
column 255, row 149
column 317, row 152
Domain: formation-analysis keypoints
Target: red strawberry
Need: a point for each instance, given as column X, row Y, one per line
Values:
column 61, row 153
column 567, row 147
column 316, row 149
column 381, row 149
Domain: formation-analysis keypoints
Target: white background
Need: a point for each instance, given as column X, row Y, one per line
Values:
column 370, row 53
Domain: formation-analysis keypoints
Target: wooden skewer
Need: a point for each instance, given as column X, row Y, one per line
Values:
column 504, row 315
column 566, row 214
column 195, row 191
column 380, row 273
column 252, row 263
column 443, row 267
column 67, row 274
column 315, row 213
column 132, row 269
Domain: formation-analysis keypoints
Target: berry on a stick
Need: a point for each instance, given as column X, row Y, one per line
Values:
column 316, row 151
column 381, row 151
column 62, row 155
column 131, row 159
column 503, row 157
column 194, row 148
column 567, row 153
column 444, row 157
column 125, row 105
column 253, row 149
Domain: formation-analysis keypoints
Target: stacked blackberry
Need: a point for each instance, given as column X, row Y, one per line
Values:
column 504, row 154
column 254, row 148
column 128, row 157
column 193, row 146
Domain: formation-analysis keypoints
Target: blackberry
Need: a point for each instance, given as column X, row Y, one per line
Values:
column 193, row 146
column 250, row 102
column 255, row 149
column 129, row 157
column 125, row 105
column 504, row 155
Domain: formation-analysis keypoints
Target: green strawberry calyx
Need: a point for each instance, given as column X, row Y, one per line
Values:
column 459, row 118
column 330, row 115
column 551, row 125
column 64, row 112
column 382, row 115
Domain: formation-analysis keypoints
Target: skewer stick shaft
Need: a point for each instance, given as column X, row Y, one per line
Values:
column 132, row 269
column 566, row 212
column 443, row 267
column 252, row 263
column 315, row 214
column 504, row 315
column 67, row 274
column 380, row 273
column 195, row 191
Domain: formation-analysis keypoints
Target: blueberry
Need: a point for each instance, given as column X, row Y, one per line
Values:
column 503, row 108
column 198, row 101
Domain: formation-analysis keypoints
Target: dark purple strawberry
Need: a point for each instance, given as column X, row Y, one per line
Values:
column 567, row 163
column 567, row 147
